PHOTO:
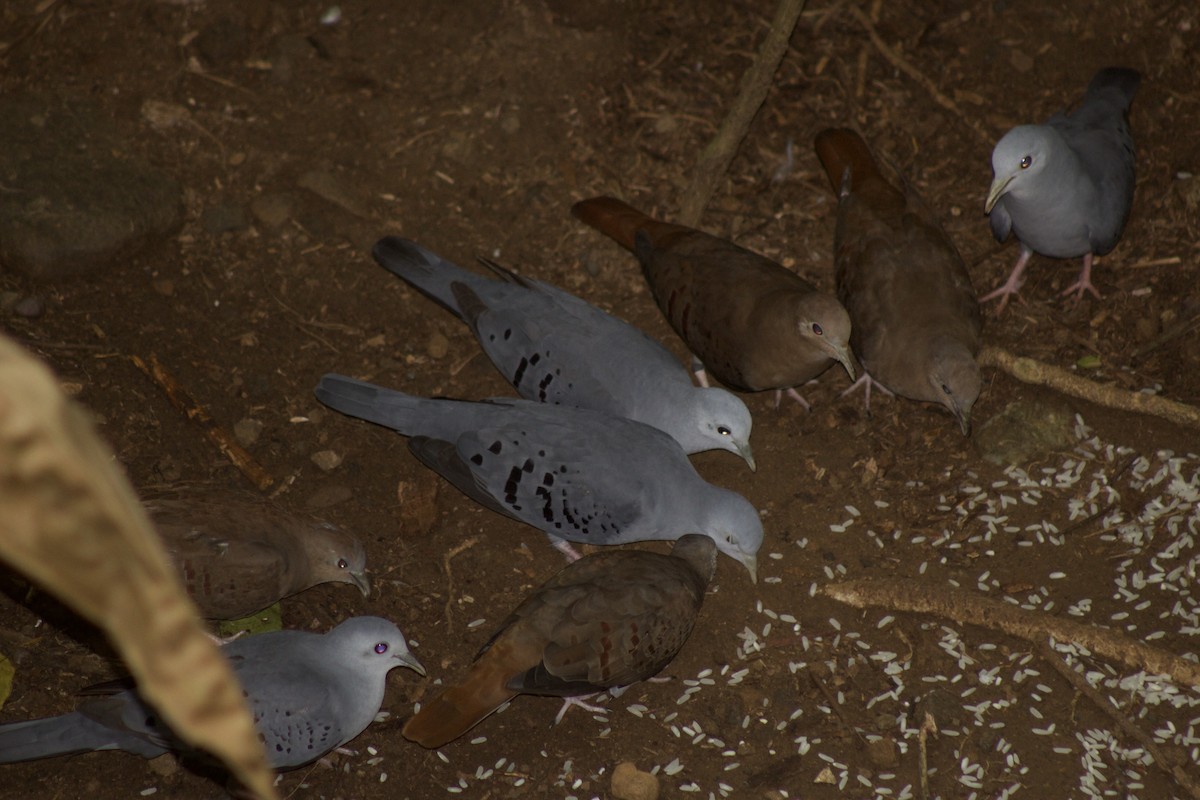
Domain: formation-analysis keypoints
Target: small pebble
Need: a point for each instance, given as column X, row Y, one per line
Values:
column 631, row 783
column 327, row 460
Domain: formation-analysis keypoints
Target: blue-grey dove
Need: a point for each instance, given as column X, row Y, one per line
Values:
column 1065, row 188
column 752, row 323
column 556, row 348
column 577, row 474
column 308, row 693
column 608, row 620
column 915, row 318
column 237, row 554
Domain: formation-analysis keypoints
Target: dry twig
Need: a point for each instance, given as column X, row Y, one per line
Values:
column 968, row 608
column 756, row 82
column 899, row 62
column 222, row 438
column 1121, row 719
column 1029, row 370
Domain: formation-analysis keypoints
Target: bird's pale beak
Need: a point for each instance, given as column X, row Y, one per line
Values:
column 410, row 661
column 748, row 455
column 999, row 187
column 842, row 354
column 964, row 421
column 363, row 583
column 750, row 562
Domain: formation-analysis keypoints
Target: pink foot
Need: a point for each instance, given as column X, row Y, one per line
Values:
column 578, row 701
column 698, row 371
column 867, row 381
column 1012, row 286
column 1084, row 284
column 792, row 393
column 564, row 547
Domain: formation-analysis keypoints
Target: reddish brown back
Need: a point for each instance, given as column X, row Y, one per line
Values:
column 621, row 222
column 841, row 149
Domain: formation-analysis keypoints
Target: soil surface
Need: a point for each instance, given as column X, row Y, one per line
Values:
column 299, row 136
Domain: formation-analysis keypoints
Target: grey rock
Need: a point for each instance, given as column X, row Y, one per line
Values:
column 1026, row 430
column 77, row 197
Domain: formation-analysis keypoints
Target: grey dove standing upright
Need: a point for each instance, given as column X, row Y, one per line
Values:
column 577, row 474
column 609, row 619
column 308, row 693
column 915, row 318
column 556, row 348
column 752, row 323
column 237, row 554
column 1065, row 188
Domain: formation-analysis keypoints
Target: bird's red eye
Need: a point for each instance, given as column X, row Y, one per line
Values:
column 1026, row 161
column 817, row 329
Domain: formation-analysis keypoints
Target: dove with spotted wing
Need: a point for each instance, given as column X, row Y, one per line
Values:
column 308, row 693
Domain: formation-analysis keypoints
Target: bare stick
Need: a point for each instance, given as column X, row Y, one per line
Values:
column 1170, row 766
column 756, row 82
column 456, row 550
column 968, row 608
column 197, row 413
column 899, row 62
column 1028, row 370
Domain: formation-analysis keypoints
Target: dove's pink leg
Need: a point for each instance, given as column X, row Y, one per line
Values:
column 866, row 380
column 578, row 701
column 564, row 547
column 792, row 393
column 1084, row 284
column 698, row 371
column 1013, row 285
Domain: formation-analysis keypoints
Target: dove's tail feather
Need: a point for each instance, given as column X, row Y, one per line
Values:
column 846, row 159
column 428, row 272
column 66, row 735
column 460, row 708
column 850, row 167
column 1123, row 80
column 622, row 222
column 392, row 409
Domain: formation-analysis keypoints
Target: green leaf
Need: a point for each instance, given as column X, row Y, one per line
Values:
column 7, row 671
column 1088, row 362
column 269, row 619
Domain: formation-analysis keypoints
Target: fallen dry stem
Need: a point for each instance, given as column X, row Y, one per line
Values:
column 1121, row 719
column 1028, row 370
column 899, row 62
column 756, row 82
column 222, row 438
column 969, row 608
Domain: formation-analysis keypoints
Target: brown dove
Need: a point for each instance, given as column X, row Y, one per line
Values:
column 607, row 620
column 237, row 555
column 916, row 319
column 752, row 323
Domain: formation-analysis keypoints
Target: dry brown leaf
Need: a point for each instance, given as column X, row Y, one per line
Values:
column 70, row 521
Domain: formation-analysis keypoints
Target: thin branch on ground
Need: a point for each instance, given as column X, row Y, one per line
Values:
column 969, row 608
column 1038, row 373
column 756, row 82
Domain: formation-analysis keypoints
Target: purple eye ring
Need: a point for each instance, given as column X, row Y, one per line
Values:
column 817, row 329
column 381, row 648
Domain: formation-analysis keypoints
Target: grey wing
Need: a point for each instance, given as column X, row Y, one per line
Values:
column 583, row 484
column 295, row 709
column 1098, row 133
column 1000, row 221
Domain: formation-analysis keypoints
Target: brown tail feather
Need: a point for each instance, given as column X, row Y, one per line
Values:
column 459, row 708
column 621, row 222
column 840, row 149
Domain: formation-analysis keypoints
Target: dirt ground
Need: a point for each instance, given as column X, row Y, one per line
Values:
column 471, row 127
